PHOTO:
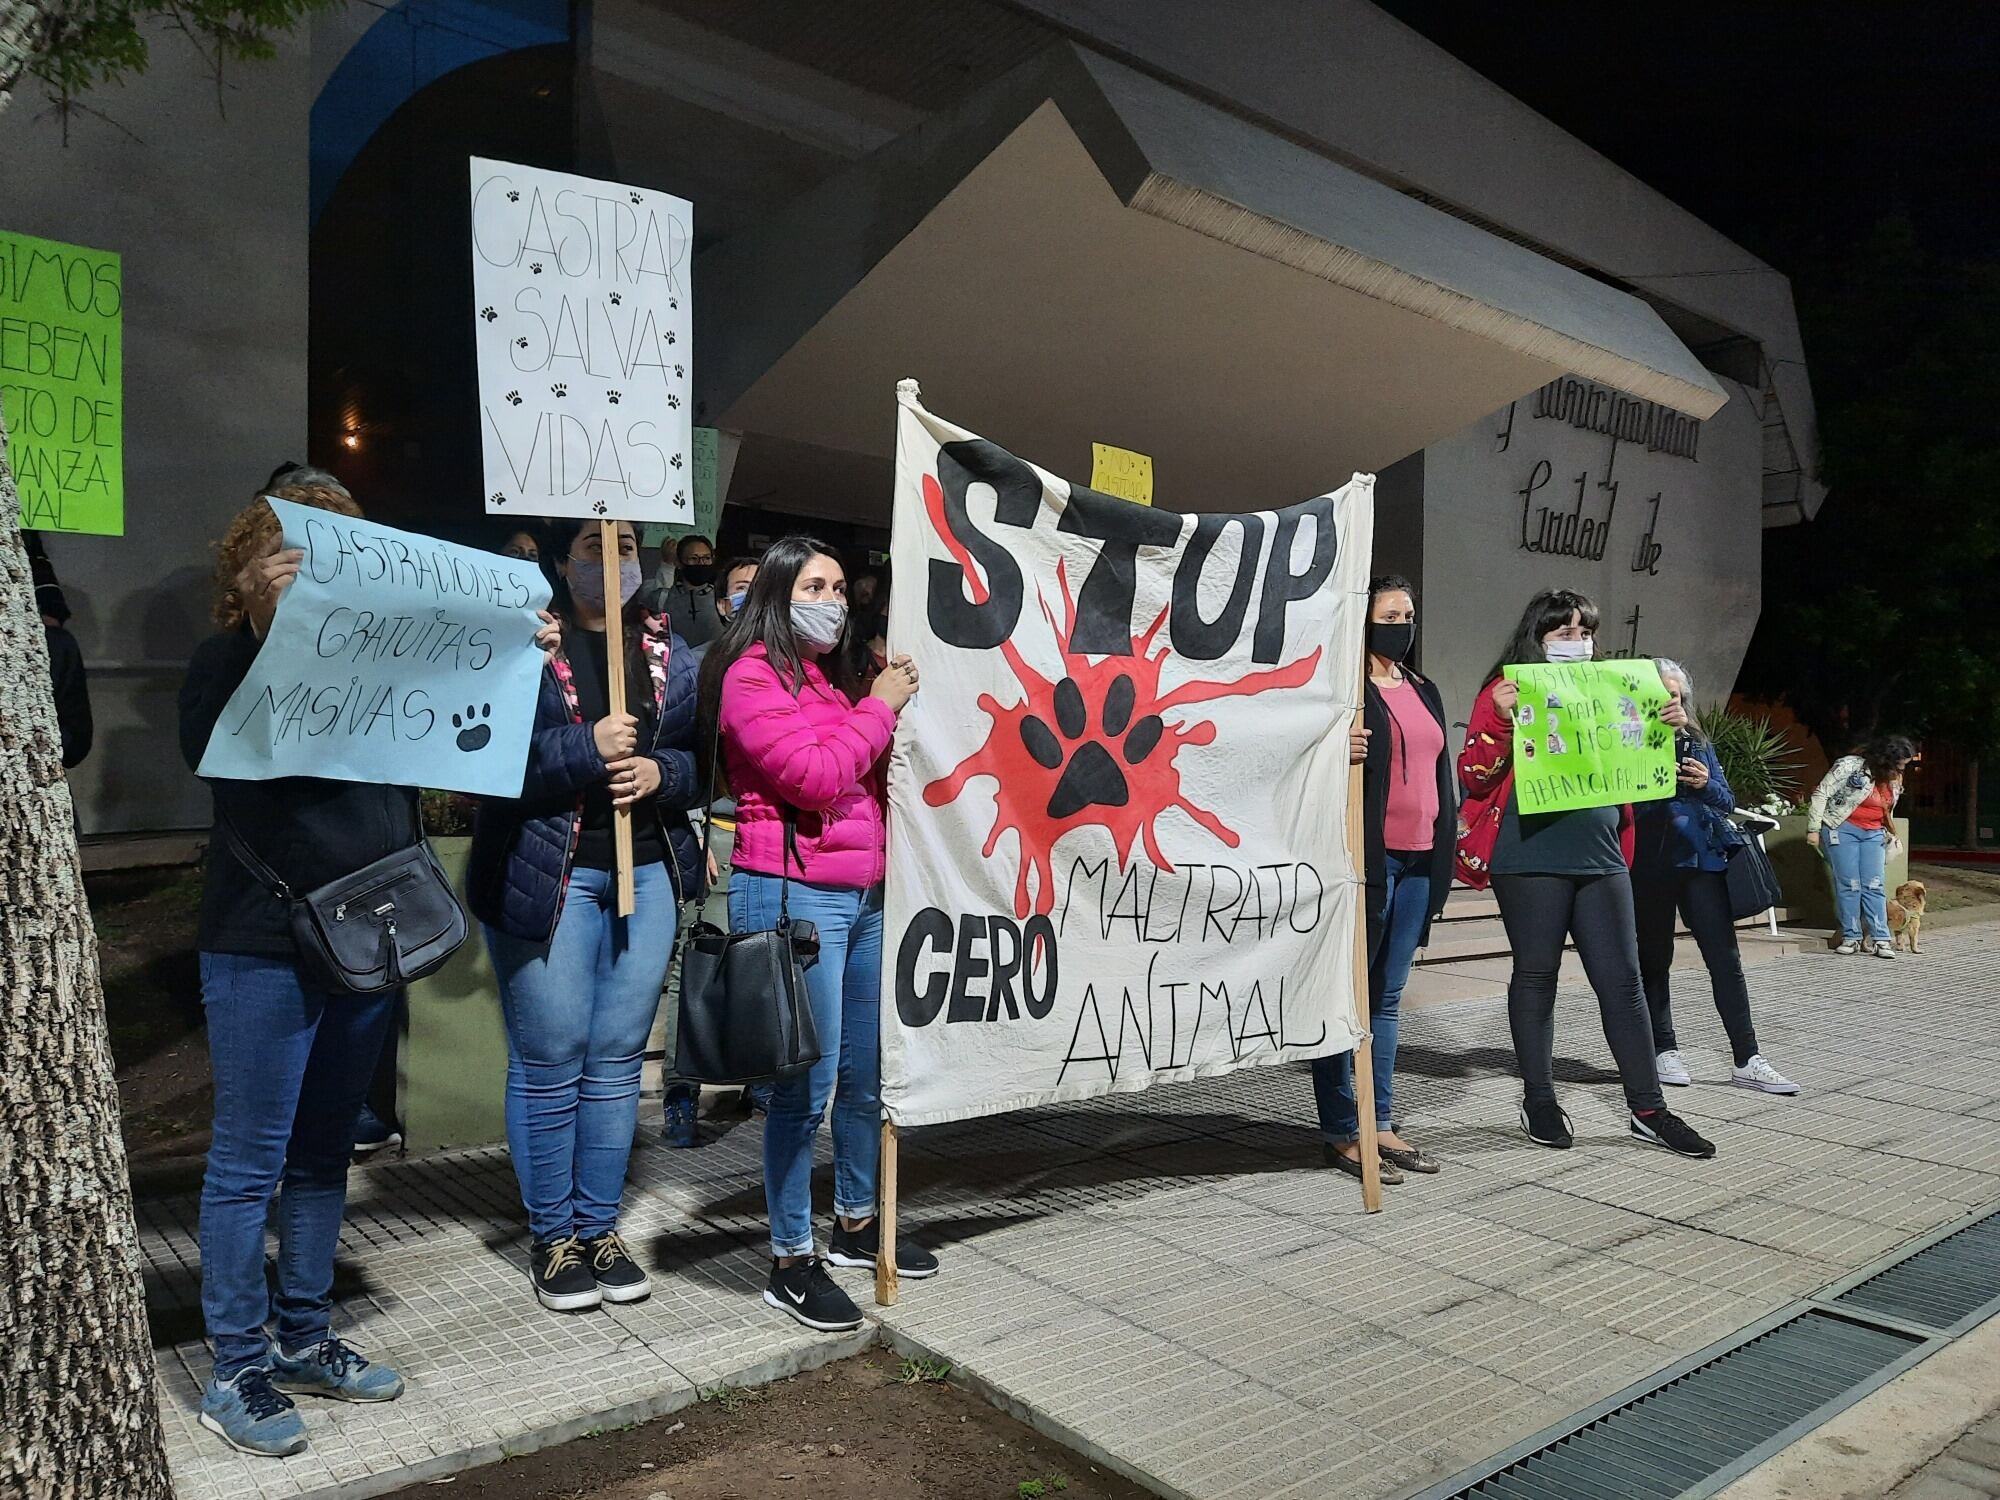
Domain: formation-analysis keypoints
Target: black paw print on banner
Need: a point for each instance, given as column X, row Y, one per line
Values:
column 535, row 266
column 614, row 397
column 473, row 732
column 1091, row 778
column 673, row 305
column 675, row 460
column 521, row 343
column 599, row 506
column 496, row 498
column 671, row 336
column 513, row 197
column 680, row 372
column 680, row 497
column 513, row 398
column 616, row 298
column 488, row 314
column 674, row 402
column 637, row 199
column 559, row 390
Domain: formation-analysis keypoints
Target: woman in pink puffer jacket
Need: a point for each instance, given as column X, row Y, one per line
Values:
column 798, row 750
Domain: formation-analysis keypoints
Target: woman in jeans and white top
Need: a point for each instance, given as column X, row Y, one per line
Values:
column 1850, row 823
column 804, row 760
column 1408, row 812
column 1680, row 863
column 1562, row 875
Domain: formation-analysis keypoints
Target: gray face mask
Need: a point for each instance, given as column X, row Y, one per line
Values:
column 586, row 581
column 818, row 623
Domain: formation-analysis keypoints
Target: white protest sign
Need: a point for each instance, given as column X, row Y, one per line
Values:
column 393, row 658
column 583, row 317
column 1117, row 850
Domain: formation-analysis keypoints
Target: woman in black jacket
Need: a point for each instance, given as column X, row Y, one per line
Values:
column 1408, row 812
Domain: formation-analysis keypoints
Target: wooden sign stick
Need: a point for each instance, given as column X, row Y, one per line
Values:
column 1364, row 1069
column 614, row 686
column 885, row 1242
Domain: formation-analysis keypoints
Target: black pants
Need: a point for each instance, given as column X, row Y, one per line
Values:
column 1702, row 899
column 1539, row 911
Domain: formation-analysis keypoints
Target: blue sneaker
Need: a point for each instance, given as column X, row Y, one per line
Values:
column 682, row 1131
column 247, row 1413
column 334, row 1369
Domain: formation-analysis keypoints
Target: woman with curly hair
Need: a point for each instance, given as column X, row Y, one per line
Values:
column 1851, row 823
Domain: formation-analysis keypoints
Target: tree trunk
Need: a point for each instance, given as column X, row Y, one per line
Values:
column 79, row 1417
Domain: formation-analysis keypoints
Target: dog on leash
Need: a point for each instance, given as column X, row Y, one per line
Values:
column 1906, row 914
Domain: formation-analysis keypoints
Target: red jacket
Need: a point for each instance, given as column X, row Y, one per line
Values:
column 1486, row 772
column 812, row 751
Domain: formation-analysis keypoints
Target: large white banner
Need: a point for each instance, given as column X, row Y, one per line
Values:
column 1117, row 851
column 583, row 313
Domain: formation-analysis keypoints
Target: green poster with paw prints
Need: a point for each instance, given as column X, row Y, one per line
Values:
column 1589, row 734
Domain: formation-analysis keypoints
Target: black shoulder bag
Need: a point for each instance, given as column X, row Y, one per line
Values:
column 745, row 1015
column 387, row 924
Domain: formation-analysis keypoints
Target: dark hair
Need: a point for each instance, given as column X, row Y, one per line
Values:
column 557, row 539
column 742, row 560
column 766, row 619
column 1548, row 610
column 681, row 546
column 1389, row 583
column 1884, row 751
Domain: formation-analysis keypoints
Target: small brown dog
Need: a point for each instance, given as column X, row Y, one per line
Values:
column 1906, row 914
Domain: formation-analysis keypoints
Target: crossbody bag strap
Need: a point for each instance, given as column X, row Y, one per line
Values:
column 247, row 857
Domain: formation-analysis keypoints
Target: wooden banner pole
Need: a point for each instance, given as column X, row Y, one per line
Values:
column 1364, row 1069
column 614, row 685
column 885, row 1242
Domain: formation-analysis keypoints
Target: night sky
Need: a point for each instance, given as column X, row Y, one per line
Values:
column 1790, row 127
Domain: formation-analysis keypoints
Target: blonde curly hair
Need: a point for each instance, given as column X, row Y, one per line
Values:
column 254, row 533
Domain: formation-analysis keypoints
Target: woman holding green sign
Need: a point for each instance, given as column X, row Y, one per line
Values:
column 1557, row 876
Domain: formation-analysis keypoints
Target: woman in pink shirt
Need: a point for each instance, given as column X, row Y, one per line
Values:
column 1408, row 811
column 803, row 754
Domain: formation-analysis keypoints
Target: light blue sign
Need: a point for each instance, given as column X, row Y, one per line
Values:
column 393, row 658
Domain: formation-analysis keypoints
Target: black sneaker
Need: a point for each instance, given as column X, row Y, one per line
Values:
column 804, row 1290
column 1665, row 1128
column 860, row 1247
column 561, row 1278
column 1546, row 1124
column 619, row 1277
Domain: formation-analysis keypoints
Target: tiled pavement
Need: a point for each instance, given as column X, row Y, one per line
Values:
column 1173, row 1280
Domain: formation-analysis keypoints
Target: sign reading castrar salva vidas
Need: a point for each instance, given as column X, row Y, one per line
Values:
column 62, row 371
column 1117, row 849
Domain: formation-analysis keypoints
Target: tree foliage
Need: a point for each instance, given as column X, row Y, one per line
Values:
column 1879, row 614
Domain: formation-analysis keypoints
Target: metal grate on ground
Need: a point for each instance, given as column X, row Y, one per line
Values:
column 1704, row 1422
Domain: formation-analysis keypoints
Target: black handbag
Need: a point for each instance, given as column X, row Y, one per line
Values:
column 745, row 1015
column 1753, row 884
column 387, row 924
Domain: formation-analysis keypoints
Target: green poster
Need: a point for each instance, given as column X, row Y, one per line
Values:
column 705, row 506
column 62, row 383
column 1589, row 735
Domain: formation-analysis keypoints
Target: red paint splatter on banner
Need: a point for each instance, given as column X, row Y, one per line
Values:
column 1093, row 747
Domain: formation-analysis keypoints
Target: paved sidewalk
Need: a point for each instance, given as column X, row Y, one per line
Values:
column 1173, row 1281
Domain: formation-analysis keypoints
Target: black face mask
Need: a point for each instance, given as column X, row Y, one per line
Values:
column 698, row 575
column 1391, row 641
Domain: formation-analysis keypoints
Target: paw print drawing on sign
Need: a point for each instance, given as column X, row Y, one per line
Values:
column 680, row 497
column 535, row 266
column 674, row 402
column 488, row 314
column 673, row 304
column 671, row 336
column 1662, row 777
column 559, row 390
column 680, row 372
column 637, row 199
column 513, row 398
column 513, row 197
column 614, row 397
column 617, row 298
column 675, row 460
column 1091, row 776
column 473, row 732
column 599, row 506
column 520, row 343
column 496, row 498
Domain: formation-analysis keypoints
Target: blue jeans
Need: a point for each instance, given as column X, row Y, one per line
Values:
column 1408, row 875
column 1858, row 857
column 292, row 1064
column 578, row 1010
column 845, row 987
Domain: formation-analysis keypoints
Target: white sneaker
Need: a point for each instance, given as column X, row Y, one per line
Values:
column 1672, row 1069
column 1848, row 948
column 1759, row 1074
column 1884, row 950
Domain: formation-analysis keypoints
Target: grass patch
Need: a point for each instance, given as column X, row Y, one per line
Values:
column 731, row 1397
column 923, row 1371
column 1031, row 1489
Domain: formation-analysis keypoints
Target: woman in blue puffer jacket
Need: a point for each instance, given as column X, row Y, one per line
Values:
column 579, row 984
column 1680, row 863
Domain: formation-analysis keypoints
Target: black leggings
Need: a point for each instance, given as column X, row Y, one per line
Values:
column 1702, row 898
column 1539, row 911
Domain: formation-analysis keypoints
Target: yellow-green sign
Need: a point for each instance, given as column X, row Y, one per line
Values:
column 62, row 362
column 1589, row 735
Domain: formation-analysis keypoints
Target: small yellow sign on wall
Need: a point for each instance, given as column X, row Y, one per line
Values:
column 1121, row 472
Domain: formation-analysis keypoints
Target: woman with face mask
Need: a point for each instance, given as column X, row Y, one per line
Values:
column 579, row 984
column 805, row 759
column 1560, row 876
column 1408, row 812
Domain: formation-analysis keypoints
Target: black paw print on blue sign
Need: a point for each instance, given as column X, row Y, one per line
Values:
column 675, row 460
column 496, row 498
column 513, row 398
column 1090, row 776
column 473, row 732
column 488, row 314
column 513, row 197
column 535, row 266
column 673, row 304
column 616, row 298
column 680, row 497
column 637, row 199
column 680, row 372
column 599, row 506
column 559, row 390
column 671, row 337
column 614, row 397
column 520, row 343
column 674, row 402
